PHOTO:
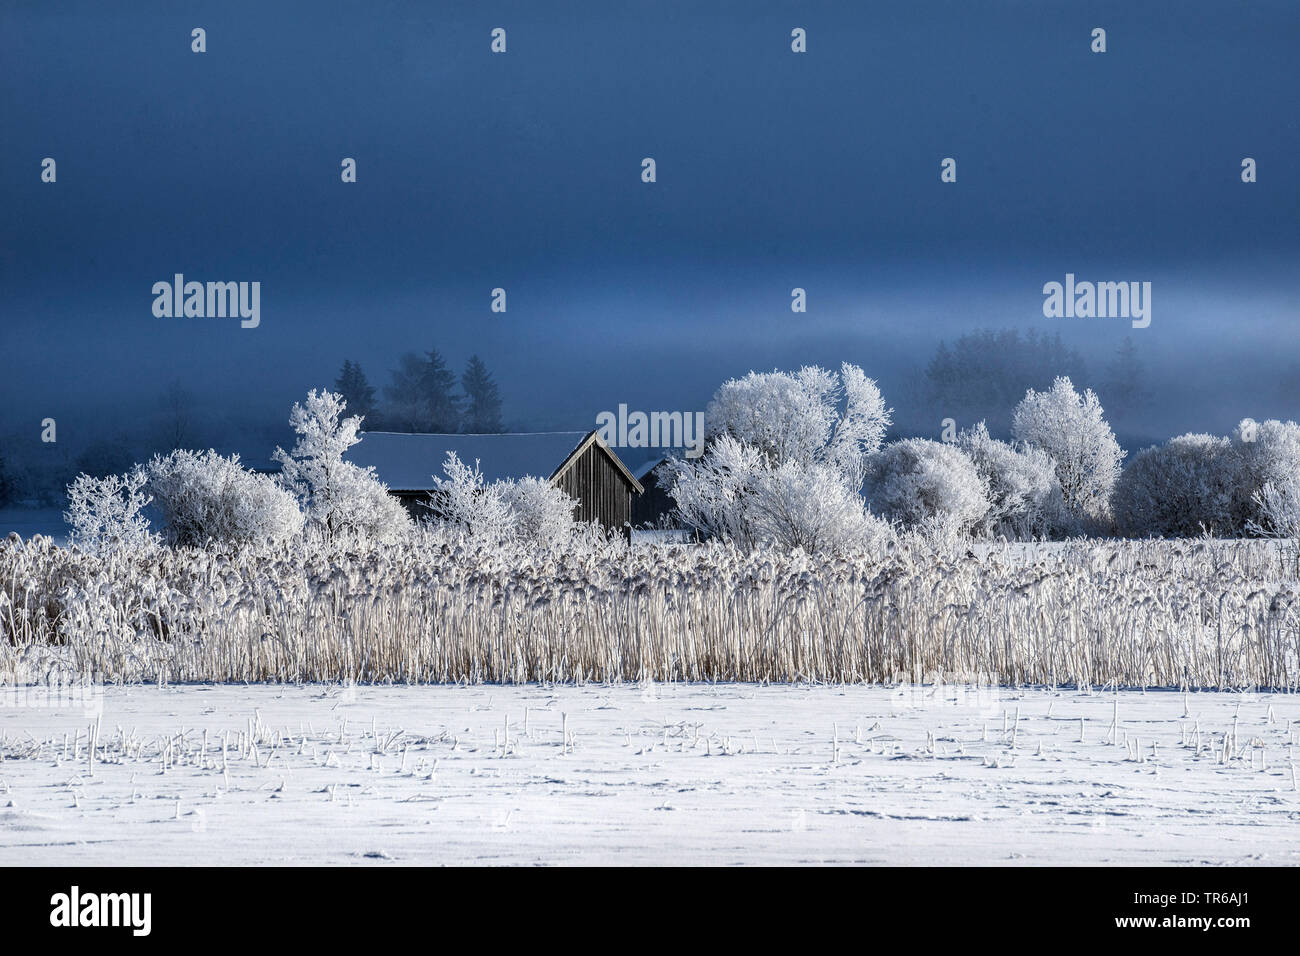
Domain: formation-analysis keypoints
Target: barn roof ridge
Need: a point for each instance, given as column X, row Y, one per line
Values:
column 600, row 443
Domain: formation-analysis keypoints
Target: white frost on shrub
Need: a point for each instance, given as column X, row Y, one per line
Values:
column 797, row 505
column 341, row 501
column 784, row 462
column 1270, row 461
column 105, row 512
column 1189, row 485
column 1021, row 485
column 207, row 497
column 711, row 492
column 927, row 485
column 797, row 417
column 1072, row 429
column 540, row 512
column 529, row 510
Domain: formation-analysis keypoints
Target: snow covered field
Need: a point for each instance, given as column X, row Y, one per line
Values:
column 652, row 773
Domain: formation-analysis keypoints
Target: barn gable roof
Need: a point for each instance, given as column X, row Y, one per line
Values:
column 406, row 461
column 642, row 471
column 593, row 438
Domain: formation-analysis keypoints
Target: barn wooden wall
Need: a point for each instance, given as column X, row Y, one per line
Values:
column 602, row 491
column 416, row 503
column 652, row 504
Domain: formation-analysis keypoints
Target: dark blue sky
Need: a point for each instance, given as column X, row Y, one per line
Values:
column 522, row 171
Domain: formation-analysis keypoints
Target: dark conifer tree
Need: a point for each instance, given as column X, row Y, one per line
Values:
column 482, row 398
column 421, row 397
column 355, row 389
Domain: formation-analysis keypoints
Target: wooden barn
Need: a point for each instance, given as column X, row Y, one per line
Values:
column 653, row 505
column 578, row 463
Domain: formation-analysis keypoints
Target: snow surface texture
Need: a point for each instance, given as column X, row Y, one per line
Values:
column 649, row 774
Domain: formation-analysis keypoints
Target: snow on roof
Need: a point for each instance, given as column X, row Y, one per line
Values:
column 408, row 462
column 642, row 471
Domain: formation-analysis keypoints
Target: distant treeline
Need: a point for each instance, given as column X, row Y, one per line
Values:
column 980, row 376
column 422, row 395
column 983, row 374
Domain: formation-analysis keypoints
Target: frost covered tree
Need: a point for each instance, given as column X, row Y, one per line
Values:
column 105, row 513
column 529, row 509
column 1249, row 484
column 540, row 512
column 1020, row 482
column 712, row 492
column 1269, row 495
column 784, row 460
column 468, row 503
column 928, row 485
column 1072, row 429
column 811, row 416
column 207, row 497
column 1275, row 510
column 1190, row 484
column 731, row 493
column 341, row 500
column 797, row 505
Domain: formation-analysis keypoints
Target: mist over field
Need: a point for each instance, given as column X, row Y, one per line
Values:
column 521, row 171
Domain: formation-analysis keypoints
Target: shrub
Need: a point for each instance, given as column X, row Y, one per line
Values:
column 206, row 497
column 1187, row 486
column 797, row 417
column 468, row 504
column 540, row 512
column 340, row 500
column 360, row 510
column 927, row 485
column 1020, row 482
column 712, row 492
column 105, row 513
column 1275, row 511
column 1269, row 496
column 530, row 510
column 1072, row 429
column 785, row 461
column 797, row 505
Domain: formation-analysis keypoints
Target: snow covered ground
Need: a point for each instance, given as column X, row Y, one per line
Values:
column 667, row 774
